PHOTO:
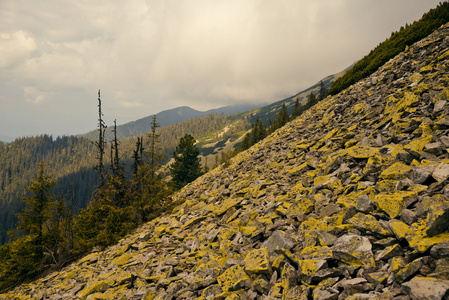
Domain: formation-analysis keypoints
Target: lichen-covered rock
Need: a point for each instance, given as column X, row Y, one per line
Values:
column 426, row 288
column 354, row 250
column 279, row 240
column 256, row 261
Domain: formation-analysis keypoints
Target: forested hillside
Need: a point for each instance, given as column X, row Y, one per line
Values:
column 71, row 161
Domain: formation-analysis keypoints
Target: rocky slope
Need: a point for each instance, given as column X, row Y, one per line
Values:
column 349, row 201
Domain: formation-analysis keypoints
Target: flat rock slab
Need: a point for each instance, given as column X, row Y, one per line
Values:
column 354, row 250
column 426, row 288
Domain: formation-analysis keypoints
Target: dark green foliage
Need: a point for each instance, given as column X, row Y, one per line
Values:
column 186, row 167
column 297, row 109
column 386, row 50
column 149, row 192
column 311, row 100
column 246, row 142
column 257, row 134
column 323, row 91
column 45, row 223
column 101, row 144
column 282, row 119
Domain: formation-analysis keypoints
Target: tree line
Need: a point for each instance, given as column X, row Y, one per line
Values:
column 259, row 131
column 49, row 234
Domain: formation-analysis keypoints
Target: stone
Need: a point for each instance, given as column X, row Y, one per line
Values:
column 325, row 238
column 397, row 170
column 256, row 261
column 354, row 250
column 441, row 270
column 393, row 203
column 435, row 148
column 233, row 279
column 409, row 270
column 441, row 172
column 369, row 223
column 377, row 277
column 439, row 105
column 329, row 210
column 279, row 240
column 389, row 252
column 309, row 267
column 440, row 250
column 438, row 218
column 408, row 216
column 324, row 295
column 322, row 274
column 426, row 288
column 364, row 204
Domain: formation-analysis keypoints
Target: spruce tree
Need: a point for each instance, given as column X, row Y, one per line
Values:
column 259, row 132
column 323, row 91
column 101, row 144
column 281, row 119
column 297, row 110
column 312, row 100
column 186, row 167
column 246, row 143
column 37, row 211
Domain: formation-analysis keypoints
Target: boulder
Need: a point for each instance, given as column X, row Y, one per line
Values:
column 279, row 240
column 426, row 288
column 354, row 250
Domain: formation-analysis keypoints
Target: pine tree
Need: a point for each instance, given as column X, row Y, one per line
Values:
column 259, row 132
column 154, row 154
column 281, row 119
column 246, row 143
column 186, row 167
column 323, row 91
column 38, row 209
column 298, row 109
column 312, row 100
column 101, row 144
column 137, row 156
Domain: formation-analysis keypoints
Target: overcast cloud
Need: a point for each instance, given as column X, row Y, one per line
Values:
column 147, row 55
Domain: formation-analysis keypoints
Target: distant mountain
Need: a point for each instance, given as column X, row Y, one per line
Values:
column 269, row 112
column 167, row 118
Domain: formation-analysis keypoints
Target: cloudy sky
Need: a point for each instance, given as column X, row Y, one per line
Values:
column 151, row 55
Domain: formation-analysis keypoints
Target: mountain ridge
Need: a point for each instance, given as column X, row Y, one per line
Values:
column 168, row 117
column 348, row 201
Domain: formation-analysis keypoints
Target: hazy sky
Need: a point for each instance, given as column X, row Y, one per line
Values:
column 148, row 55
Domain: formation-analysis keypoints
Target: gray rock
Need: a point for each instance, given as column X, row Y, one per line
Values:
column 324, row 295
column 408, row 216
column 364, row 204
column 426, row 288
column 434, row 148
column 441, row 172
column 325, row 238
column 420, row 175
column 279, row 240
column 440, row 250
column 445, row 140
column 438, row 218
column 353, row 250
column 439, row 106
